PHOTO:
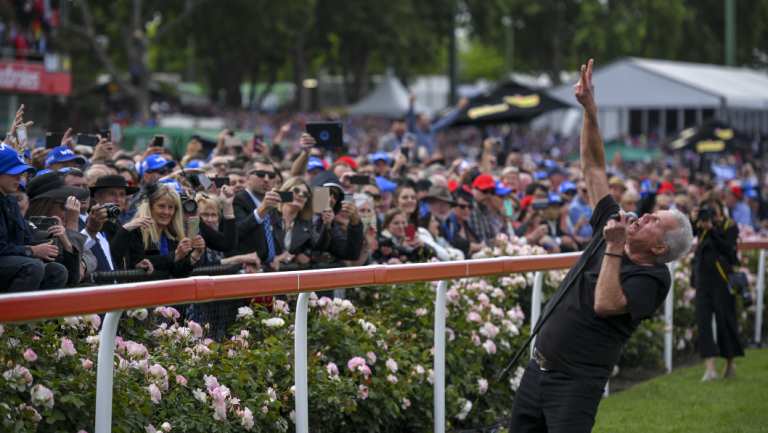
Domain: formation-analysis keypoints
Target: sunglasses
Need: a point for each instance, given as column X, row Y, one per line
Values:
column 261, row 174
column 300, row 192
column 376, row 197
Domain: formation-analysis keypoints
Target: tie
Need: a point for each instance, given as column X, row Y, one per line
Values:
column 270, row 239
column 101, row 257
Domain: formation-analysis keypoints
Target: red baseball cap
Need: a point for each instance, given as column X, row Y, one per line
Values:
column 737, row 192
column 452, row 185
column 347, row 160
column 666, row 188
column 484, row 182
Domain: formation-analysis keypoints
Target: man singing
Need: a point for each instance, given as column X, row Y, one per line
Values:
column 619, row 280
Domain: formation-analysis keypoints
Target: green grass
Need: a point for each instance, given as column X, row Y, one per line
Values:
column 680, row 402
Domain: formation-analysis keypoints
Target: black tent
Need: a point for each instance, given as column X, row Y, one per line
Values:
column 714, row 136
column 509, row 102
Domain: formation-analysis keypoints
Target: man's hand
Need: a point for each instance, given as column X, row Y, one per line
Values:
column 68, row 139
column 615, row 234
column 96, row 219
column 584, row 89
column 271, row 200
column 45, row 252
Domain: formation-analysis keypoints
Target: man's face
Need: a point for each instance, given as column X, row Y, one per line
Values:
column 647, row 232
column 479, row 195
column 439, row 208
column 111, row 195
column 261, row 178
column 9, row 184
column 151, row 177
column 75, row 181
column 398, row 127
column 237, row 182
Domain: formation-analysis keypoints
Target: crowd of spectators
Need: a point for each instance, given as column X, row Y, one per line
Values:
column 73, row 212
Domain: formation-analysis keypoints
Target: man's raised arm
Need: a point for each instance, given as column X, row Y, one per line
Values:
column 591, row 144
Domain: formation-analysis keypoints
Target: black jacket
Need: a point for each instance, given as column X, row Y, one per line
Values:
column 304, row 239
column 715, row 246
column 244, row 206
column 341, row 244
column 131, row 246
column 252, row 237
column 224, row 239
column 14, row 230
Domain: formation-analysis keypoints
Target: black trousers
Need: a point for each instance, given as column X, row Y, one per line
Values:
column 715, row 299
column 555, row 402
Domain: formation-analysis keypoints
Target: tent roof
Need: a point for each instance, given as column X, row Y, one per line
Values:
column 649, row 83
column 388, row 99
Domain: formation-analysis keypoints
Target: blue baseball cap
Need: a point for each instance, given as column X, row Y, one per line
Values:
column 385, row 185
column 315, row 163
column 540, row 175
column 751, row 193
column 154, row 162
column 61, row 154
column 11, row 162
column 501, row 189
column 172, row 183
column 380, row 156
column 195, row 163
column 553, row 198
column 567, row 187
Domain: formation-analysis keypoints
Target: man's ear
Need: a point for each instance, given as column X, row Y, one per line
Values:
column 659, row 249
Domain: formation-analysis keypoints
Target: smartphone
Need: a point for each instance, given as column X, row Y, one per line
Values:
column 321, row 199
column 410, row 231
column 327, row 134
column 360, row 179
column 285, row 196
column 193, row 226
column 219, row 181
column 43, row 223
column 21, row 134
column 116, row 133
column 157, row 141
column 87, row 139
column 53, row 139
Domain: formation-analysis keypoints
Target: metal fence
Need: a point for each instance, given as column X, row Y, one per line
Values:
column 114, row 299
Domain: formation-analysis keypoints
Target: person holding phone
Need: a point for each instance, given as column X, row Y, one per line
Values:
column 409, row 247
column 406, row 201
column 157, row 233
column 300, row 239
column 23, row 265
column 340, row 221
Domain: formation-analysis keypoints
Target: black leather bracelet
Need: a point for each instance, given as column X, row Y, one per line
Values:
column 614, row 255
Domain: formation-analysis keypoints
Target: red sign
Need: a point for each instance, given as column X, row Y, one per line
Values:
column 22, row 77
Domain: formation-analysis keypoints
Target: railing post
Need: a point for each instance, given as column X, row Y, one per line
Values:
column 439, row 367
column 300, row 364
column 669, row 322
column 104, row 372
column 760, row 298
column 538, row 286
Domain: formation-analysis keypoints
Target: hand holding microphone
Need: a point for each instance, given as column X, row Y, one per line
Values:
column 615, row 231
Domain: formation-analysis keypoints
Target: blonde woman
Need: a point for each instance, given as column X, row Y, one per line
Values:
column 157, row 234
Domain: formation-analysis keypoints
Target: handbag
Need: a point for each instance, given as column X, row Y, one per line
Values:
column 738, row 283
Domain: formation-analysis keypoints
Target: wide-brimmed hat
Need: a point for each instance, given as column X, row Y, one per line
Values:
column 113, row 181
column 441, row 193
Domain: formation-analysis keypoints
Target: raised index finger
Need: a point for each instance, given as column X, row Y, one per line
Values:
column 590, row 64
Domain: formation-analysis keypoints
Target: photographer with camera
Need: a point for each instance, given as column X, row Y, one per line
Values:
column 713, row 262
column 109, row 195
column 23, row 265
column 157, row 234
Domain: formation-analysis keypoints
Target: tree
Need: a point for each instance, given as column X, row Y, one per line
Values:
column 104, row 24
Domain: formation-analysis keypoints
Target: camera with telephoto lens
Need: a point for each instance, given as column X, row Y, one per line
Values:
column 113, row 210
column 188, row 205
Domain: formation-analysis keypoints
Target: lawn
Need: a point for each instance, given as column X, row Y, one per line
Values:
column 679, row 402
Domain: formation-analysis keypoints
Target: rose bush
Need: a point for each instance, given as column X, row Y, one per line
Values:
column 370, row 361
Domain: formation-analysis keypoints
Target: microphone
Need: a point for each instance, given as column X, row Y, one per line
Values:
column 631, row 217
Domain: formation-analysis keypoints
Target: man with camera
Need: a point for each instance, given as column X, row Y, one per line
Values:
column 23, row 266
column 109, row 195
column 619, row 280
column 261, row 178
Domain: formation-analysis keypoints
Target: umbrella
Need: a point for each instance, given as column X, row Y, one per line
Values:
column 509, row 102
column 714, row 136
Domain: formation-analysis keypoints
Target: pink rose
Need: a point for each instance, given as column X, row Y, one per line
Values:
column 355, row 362
column 197, row 330
column 181, row 380
column 86, row 363
column 67, row 347
column 362, row 392
column 154, row 393
column 30, row 355
column 332, row 369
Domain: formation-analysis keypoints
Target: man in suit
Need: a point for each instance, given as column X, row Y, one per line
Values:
column 261, row 178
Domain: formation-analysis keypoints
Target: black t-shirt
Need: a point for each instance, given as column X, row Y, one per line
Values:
column 575, row 339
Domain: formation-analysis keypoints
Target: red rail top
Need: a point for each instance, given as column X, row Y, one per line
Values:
column 25, row 306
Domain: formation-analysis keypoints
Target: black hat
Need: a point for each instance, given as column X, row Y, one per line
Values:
column 113, row 181
column 51, row 186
